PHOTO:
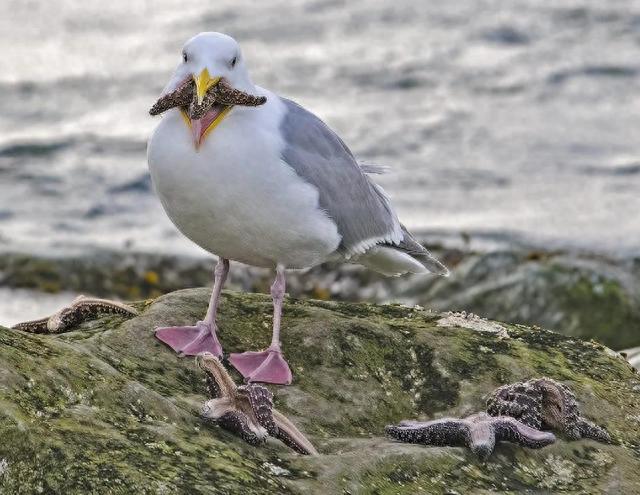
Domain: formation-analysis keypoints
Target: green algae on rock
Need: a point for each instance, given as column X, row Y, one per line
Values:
column 106, row 408
column 580, row 295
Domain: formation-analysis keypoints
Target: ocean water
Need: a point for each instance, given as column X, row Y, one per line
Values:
column 513, row 120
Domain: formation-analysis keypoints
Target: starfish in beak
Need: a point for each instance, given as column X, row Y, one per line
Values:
column 202, row 123
column 204, row 101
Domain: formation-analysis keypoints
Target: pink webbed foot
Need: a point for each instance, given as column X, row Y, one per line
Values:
column 266, row 366
column 192, row 340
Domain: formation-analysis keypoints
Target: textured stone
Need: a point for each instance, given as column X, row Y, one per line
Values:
column 578, row 295
column 106, row 408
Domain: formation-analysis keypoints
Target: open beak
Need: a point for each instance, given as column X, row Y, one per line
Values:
column 204, row 82
column 201, row 127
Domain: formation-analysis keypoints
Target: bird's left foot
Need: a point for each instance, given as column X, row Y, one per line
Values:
column 268, row 366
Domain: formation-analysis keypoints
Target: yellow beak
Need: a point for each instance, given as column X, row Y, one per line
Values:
column 204, row 82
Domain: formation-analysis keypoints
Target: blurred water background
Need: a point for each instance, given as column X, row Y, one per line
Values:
column 504, row 122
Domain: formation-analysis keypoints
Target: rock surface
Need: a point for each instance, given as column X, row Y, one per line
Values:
column 579, row 295
column 107, row 408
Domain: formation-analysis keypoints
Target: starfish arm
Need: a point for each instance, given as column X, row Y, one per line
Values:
column 197, row 110
column 439, row 432
column 499, row 406
column 63, row 319
column 33, row 326
column 590, row 430
column 212, row 386
column 81, row 309
column 237, row 423
column 520, row 400
column 228, row 95
column 512, row 430
column 219, row 383
column 214, row 409
column 84, row 308
column 288, row 434
column 544, row 403
column 261, row 403
column 178, row 98
column 94, row 306
column 480, row 435
column 569, row 429
column 562, row 413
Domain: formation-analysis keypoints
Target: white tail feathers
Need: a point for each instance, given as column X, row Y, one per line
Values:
column 392, row 261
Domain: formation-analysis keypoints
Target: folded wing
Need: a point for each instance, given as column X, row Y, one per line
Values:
column 370, row 229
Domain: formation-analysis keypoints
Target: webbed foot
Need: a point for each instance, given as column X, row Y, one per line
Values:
column 268, row 366
column 191, row 340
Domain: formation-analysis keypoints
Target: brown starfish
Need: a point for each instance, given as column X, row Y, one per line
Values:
column 544, row 403
column 179, row 97
column 247, row 410
column 82, row 308
column 479, row 432
column 222, row 93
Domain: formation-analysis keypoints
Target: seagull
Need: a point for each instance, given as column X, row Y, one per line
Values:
column 266, row 183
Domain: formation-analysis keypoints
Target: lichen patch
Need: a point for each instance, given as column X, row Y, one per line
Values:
column 471, row 321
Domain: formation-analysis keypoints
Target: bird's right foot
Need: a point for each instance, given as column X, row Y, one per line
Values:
column 191, row 340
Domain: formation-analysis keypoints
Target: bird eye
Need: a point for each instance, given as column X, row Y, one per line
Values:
column 185, row 58
column 233, row 62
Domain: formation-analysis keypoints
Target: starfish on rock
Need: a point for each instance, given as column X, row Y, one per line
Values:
column 81, row 309
column 247, row 410
column 479, row 432
column 546, row 404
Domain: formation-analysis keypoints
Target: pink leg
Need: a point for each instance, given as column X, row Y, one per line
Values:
column 193, row 340
column 269, row 365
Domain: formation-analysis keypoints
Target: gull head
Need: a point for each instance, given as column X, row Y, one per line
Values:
column 207, row 59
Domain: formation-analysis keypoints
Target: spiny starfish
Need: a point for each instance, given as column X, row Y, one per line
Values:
column 479, row 432
column 82, row 308
column 544, row 403
column 247, row 410
column 179, row 97
column 185, row 96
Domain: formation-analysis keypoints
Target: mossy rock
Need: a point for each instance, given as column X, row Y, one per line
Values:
column 590, row 298
column 575, row 294
column 107, row 408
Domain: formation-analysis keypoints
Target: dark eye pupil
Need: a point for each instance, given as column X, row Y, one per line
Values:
column 233, row 61
column 184, row 57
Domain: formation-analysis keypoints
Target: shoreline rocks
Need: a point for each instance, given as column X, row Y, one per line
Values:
column 106, row 408
column 589, row 297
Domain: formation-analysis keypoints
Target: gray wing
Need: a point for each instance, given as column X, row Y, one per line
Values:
column 360, row 208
